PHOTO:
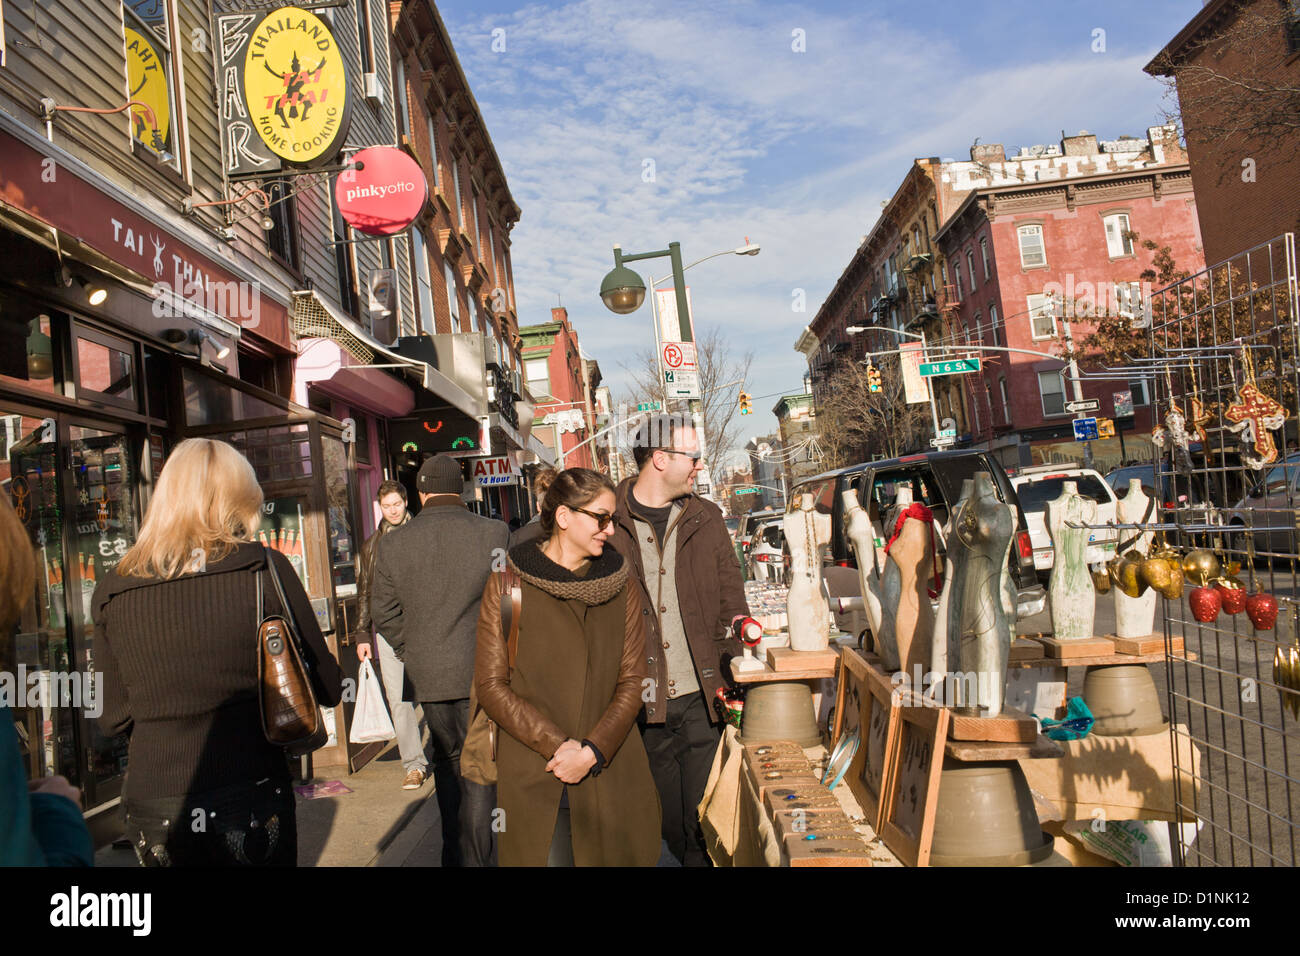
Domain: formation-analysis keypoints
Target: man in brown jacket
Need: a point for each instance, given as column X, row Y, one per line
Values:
column 683, row 563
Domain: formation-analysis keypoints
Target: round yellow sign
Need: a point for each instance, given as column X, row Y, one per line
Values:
column 296, row 86
column 147, row 75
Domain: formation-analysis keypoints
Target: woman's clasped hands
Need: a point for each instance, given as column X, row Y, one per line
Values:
column 571, row 762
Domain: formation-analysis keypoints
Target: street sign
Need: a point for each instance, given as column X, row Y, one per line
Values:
column 951, row 367
column 1084, row 405
column 649, row 406
column 1085, row 429
column 947, row 433
column 943, row 441
column 1123, row 404
column 680, row 384
column 678, row 356
column 1105, row 428
column 744, row 491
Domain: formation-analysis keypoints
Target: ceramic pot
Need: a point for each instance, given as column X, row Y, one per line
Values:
column 985, row 816
column 1205, row 602
column 1124, row 701
column 780, row 711
column 1261, row 608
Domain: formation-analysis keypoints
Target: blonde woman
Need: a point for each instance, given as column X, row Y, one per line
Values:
column 175, row 639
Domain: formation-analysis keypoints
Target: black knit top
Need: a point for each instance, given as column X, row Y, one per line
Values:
column 178, row 666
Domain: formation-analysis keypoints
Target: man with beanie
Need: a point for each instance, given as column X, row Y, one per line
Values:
column 428, row 581
column 681, row 557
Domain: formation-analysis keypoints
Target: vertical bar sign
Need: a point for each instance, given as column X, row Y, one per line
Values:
column 243, row 150
column 910, row 355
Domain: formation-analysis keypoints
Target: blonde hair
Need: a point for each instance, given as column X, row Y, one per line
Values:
column 207, row 500
column 17, row 572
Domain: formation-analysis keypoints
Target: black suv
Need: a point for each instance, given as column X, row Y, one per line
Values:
column 935, row 479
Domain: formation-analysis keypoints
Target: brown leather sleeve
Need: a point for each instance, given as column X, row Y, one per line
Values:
column 731, row 588
column 512, row 713
column 616, row 723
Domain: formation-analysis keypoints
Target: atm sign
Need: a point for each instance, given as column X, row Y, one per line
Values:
column 496, row 470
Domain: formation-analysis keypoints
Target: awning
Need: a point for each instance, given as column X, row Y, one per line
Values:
column 313, row 317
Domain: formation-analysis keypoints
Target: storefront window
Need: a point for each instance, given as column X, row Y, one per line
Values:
column 106, row 370
column 277, row 452
column 210, row 402
column 339, row 498
column 28, row 356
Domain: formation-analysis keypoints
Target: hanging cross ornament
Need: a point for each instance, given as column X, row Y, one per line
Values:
column 1198, row 420
column 1256, row 415
column 1174, row 434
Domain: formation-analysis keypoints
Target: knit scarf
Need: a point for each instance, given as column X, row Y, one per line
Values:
column 605, row 578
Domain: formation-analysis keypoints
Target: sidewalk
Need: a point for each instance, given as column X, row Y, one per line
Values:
column 377, row 824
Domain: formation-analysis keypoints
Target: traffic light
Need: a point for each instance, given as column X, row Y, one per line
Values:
column 744, row 403
column 873, row 378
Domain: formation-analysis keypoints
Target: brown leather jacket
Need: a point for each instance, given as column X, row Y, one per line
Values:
column 710, row 592
column 366, row 574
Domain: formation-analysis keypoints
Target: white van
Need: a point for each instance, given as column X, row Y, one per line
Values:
column 1038, row 485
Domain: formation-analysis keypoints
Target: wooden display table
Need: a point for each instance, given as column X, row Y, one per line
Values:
column 785, row 664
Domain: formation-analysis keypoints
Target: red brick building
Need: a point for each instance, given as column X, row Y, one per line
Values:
column 1237, row 70
column 1032, row 243
column 557, row 376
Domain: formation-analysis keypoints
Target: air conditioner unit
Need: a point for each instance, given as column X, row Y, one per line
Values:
column 516, row 382
column 491, row 349
column 373, row 89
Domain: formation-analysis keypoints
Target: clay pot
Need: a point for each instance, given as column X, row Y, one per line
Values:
column 780, row 711
column 1261, row 608
column 1124, row 572
column 1163, row 573
column 1205, row 602
column 1232, row 593
column 985, row 816
column 1124, row 701
column 1201, row 566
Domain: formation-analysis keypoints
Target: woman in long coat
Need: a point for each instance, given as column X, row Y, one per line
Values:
column 573, row 778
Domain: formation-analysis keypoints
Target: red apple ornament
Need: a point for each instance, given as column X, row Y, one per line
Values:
column 1261, row 608
column 1234, row 596
column 1205, row 603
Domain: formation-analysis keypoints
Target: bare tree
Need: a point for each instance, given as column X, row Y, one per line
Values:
column 856, row 424
column 719, row 365
column 1233, row 87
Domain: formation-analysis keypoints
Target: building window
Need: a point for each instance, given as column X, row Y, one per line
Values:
column 1051, row 386
column 282, row 238
column 453, row 300
column 455, row 198
column 956, row 279
column 1032, row 252
column 537, row 375
column 1139, row 390
column 363, row 36
column 399, row 84
column 423, row 283
column 984, row 254
column 150, row 78
column 979, row 328
column 1128, row 299
column 433, row 151
column 996, row 333
column 1118, row 242
column 345, row 267
column 1006, row 400
column 970, row 264
column 476, row 234
column 1041, row 320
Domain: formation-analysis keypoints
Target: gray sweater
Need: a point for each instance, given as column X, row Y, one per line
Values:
column 429, row 580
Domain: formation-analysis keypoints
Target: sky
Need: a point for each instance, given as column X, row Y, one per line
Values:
column 787, row 123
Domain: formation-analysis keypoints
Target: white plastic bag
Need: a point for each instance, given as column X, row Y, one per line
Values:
column 370, row 720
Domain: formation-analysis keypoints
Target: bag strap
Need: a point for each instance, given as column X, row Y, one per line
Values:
column 294, row 634
column 511, row 599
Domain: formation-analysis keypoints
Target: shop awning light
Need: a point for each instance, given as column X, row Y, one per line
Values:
column 95, row 294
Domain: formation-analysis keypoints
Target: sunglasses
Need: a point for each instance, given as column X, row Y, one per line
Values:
column 603, row 518
column 692, row 455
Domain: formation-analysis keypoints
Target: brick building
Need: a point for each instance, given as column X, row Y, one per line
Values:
column 1031, row 240
column 1240, row 142
column 796, row 420
column 557, row 377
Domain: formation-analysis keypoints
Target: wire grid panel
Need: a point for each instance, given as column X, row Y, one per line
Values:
column 1212, row 334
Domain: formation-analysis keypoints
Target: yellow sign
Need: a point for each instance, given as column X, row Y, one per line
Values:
column 296, row 87
column 146, row 73
column 1105, row 428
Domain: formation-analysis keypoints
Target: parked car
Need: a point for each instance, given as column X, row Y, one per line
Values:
column 745, row 534
column 1038, row 485
column 1270, row 504
column 767, row 559
column 935, row 480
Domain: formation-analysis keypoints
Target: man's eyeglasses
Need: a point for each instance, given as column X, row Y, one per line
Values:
column 603, row 518
column 692, row 455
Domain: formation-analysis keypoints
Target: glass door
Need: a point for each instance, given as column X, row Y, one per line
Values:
column 103, row 486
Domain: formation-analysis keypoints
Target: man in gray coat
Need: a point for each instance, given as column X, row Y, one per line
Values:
column 428, row 583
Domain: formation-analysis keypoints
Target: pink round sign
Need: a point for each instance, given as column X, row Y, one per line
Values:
column 384, row 196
